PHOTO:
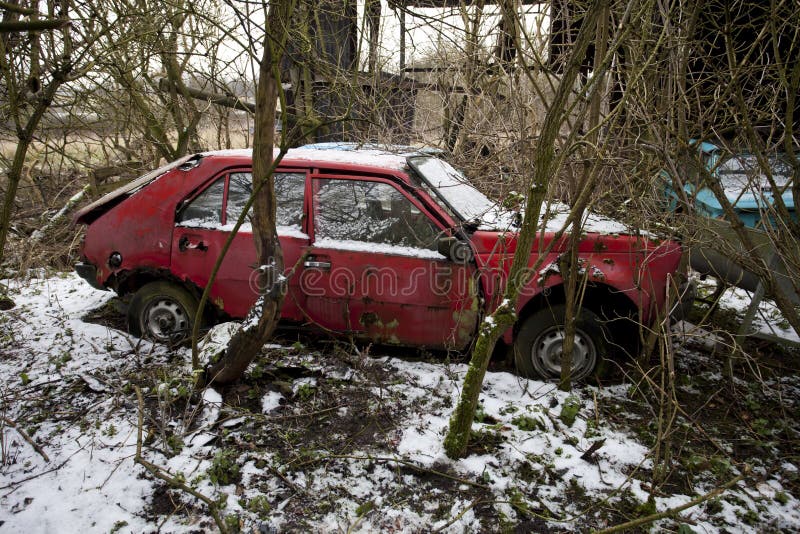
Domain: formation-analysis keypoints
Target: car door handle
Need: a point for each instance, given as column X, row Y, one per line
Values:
column 185, row 244
column 315, row 264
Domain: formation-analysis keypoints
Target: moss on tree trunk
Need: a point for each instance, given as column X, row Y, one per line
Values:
column 545, row 166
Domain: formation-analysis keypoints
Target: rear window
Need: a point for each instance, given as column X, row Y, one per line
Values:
column 289, row 192
column 213, row 209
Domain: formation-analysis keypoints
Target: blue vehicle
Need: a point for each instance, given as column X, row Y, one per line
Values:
column 715, row 247
column 744, row 182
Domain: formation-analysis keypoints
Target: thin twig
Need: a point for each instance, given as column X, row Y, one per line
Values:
column 407, row 463
column 56, row 468
column 472, row 505
column 27, row 438
column 673, row 511
column 302, row 414
column 164, row 475
column 295, row 487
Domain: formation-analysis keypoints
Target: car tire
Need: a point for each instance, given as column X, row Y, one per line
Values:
column 163, row 312
column 537, row 347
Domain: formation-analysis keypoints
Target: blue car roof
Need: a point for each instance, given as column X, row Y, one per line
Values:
column 705, row 146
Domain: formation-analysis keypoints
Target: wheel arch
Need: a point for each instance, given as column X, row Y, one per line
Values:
column 127, row 283
column 610, row 304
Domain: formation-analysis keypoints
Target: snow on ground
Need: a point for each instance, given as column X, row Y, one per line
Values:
column 768, row 319
column 90, row 481
column 313, row 441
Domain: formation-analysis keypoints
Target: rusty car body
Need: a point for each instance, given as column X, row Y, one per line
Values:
column 392, row 248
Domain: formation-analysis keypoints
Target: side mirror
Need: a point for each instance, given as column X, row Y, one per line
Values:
column 454, row 249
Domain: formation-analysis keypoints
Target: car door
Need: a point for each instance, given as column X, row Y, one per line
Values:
column 204, row 222
column 373, row 269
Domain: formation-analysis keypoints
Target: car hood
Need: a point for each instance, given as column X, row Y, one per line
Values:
column 553, row 216
column 614, row 234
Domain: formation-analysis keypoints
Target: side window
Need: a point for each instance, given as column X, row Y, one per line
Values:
column 289, row 191
column 206, row 209
column 239, row 189
column 372, row 212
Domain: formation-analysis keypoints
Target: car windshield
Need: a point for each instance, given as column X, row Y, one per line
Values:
column 742, row 171
column 452, row 190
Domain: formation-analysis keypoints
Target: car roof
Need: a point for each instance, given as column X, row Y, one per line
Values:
column 708, row 147
column 705, row 147
column 374, row 158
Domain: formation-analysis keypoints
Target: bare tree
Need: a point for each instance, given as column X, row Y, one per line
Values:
column 35, row 63
column 263, row 317
column 152, row 62
column 504, row 316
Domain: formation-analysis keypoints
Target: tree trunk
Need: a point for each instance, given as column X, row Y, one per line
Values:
column 24, row 140
column 14, row 176
column 33, row 25
column 573, row 272
column 545, row 163
column 373, row 20
column 570, row 270
column 263, row 317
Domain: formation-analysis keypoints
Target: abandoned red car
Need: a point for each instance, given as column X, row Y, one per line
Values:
column 396, row 248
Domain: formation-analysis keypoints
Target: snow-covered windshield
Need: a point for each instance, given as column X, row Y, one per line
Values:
column 742, row 171
column 454, row 192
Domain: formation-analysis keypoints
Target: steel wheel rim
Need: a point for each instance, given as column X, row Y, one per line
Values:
column 547, row 348
column 165, row 320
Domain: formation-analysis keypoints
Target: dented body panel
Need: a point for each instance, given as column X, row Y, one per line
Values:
column 383, row 291
column 635, row 267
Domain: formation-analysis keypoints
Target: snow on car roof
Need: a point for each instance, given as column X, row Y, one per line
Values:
column 366, row 157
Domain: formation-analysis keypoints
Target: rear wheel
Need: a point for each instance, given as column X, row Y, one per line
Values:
column 538, row 345
column 163, row 312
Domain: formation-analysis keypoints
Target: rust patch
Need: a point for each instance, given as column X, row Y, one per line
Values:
column 377, row 331
column 466, row 319
column 370, row 319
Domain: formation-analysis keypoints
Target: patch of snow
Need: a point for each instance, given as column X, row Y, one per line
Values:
column 556, row 218
column 244, row 229
column 768, row 319
column 308, row 381
column 216, row 341
column 212, row 403
column 271, row 401
column 366, row 158
column 254, row 314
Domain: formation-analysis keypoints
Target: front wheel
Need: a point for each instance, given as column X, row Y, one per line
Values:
column 163, row 312
column 539, row 342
